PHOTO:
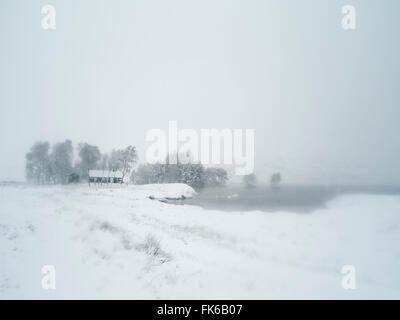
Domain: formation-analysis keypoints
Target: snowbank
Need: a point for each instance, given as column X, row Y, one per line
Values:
column 170, row 190
column 114, row 242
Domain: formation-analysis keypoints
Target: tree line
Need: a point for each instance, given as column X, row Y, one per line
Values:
column 46, row 164
column 58, row 164
column 193, row 174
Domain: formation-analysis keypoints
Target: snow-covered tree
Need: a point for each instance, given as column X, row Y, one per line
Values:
column 215, row 177
column 89, row 157
column 61, row 161
column 192, row 174
column 38, row 169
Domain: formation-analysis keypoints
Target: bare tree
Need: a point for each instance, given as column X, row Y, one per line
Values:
column 123, row 160
column 215, row 177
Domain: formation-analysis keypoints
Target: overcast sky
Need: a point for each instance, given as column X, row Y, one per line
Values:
column 324, row 102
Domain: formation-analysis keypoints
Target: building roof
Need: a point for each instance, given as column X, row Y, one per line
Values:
column 105, row 174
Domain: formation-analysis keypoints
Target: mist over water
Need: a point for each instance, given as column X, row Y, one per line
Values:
column 293, row 198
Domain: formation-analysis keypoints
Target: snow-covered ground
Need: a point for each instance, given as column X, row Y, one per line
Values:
column 117, row 243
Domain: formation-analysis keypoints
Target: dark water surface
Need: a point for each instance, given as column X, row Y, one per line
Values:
column 297, row 198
